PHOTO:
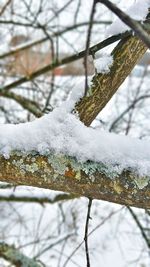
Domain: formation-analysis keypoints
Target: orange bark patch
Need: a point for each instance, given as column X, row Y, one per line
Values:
column 70, row 173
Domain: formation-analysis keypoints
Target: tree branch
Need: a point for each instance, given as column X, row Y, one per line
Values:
column 26, row 103
column 86, row 232
column 125, row 56
column 90, row 179
column 44, row 39
column 4, row 7
column 93, row 180
column 36, row 199
column 88, row 44
column 132, row 23
column 15, row 257
column 66, row 60
column 145, row 237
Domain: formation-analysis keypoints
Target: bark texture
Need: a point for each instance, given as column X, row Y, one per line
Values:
column 90, row 179
column 126, row 55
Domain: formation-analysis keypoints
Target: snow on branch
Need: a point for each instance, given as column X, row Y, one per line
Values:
column 59, row 152
column 103, row 62
column 61, row 132
column 104, row 85
column 132, row 23
column 136, row 11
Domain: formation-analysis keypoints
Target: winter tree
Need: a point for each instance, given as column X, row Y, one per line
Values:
column 61, row 64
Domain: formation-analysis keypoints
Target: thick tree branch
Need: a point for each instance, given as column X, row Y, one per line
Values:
column 126, row 55
column 38, row 171
column 90, row 179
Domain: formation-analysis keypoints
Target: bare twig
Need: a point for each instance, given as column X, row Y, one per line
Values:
column 6, row 186
column 26, row 103
column 53, row 59
column 4, row 7
column 52, row 245
column 86, row 232
column 147, row 240
column 44, row 39
column 36, row 199
column 66, row 60
column 98, row 226
column 131, row 106
column 88, row 45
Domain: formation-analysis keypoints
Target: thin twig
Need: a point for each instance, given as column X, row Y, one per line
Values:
column 98, row 226
column 86, row 232
column 66, row 60
column 44, row 39
column 53, row 73
column 88, row 45
column 36, row 199
column 4, row 7
column 147, row 240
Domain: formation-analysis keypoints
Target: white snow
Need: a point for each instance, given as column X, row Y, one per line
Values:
column 137, row 11
column 62, row 132
column 103, row 62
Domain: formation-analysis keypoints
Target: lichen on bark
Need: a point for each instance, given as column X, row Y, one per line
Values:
column 90, row 179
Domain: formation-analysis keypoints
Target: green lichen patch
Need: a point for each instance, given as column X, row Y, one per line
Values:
column 90, row 168
column 59, row 163
column 141, row 182
column 23, row 166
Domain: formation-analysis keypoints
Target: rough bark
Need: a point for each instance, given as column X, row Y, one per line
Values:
column 90, row 179
column 126, row 54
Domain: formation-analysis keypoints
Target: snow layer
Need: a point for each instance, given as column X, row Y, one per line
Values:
column 61, row 132
column 103, row 62
column 136, row 11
